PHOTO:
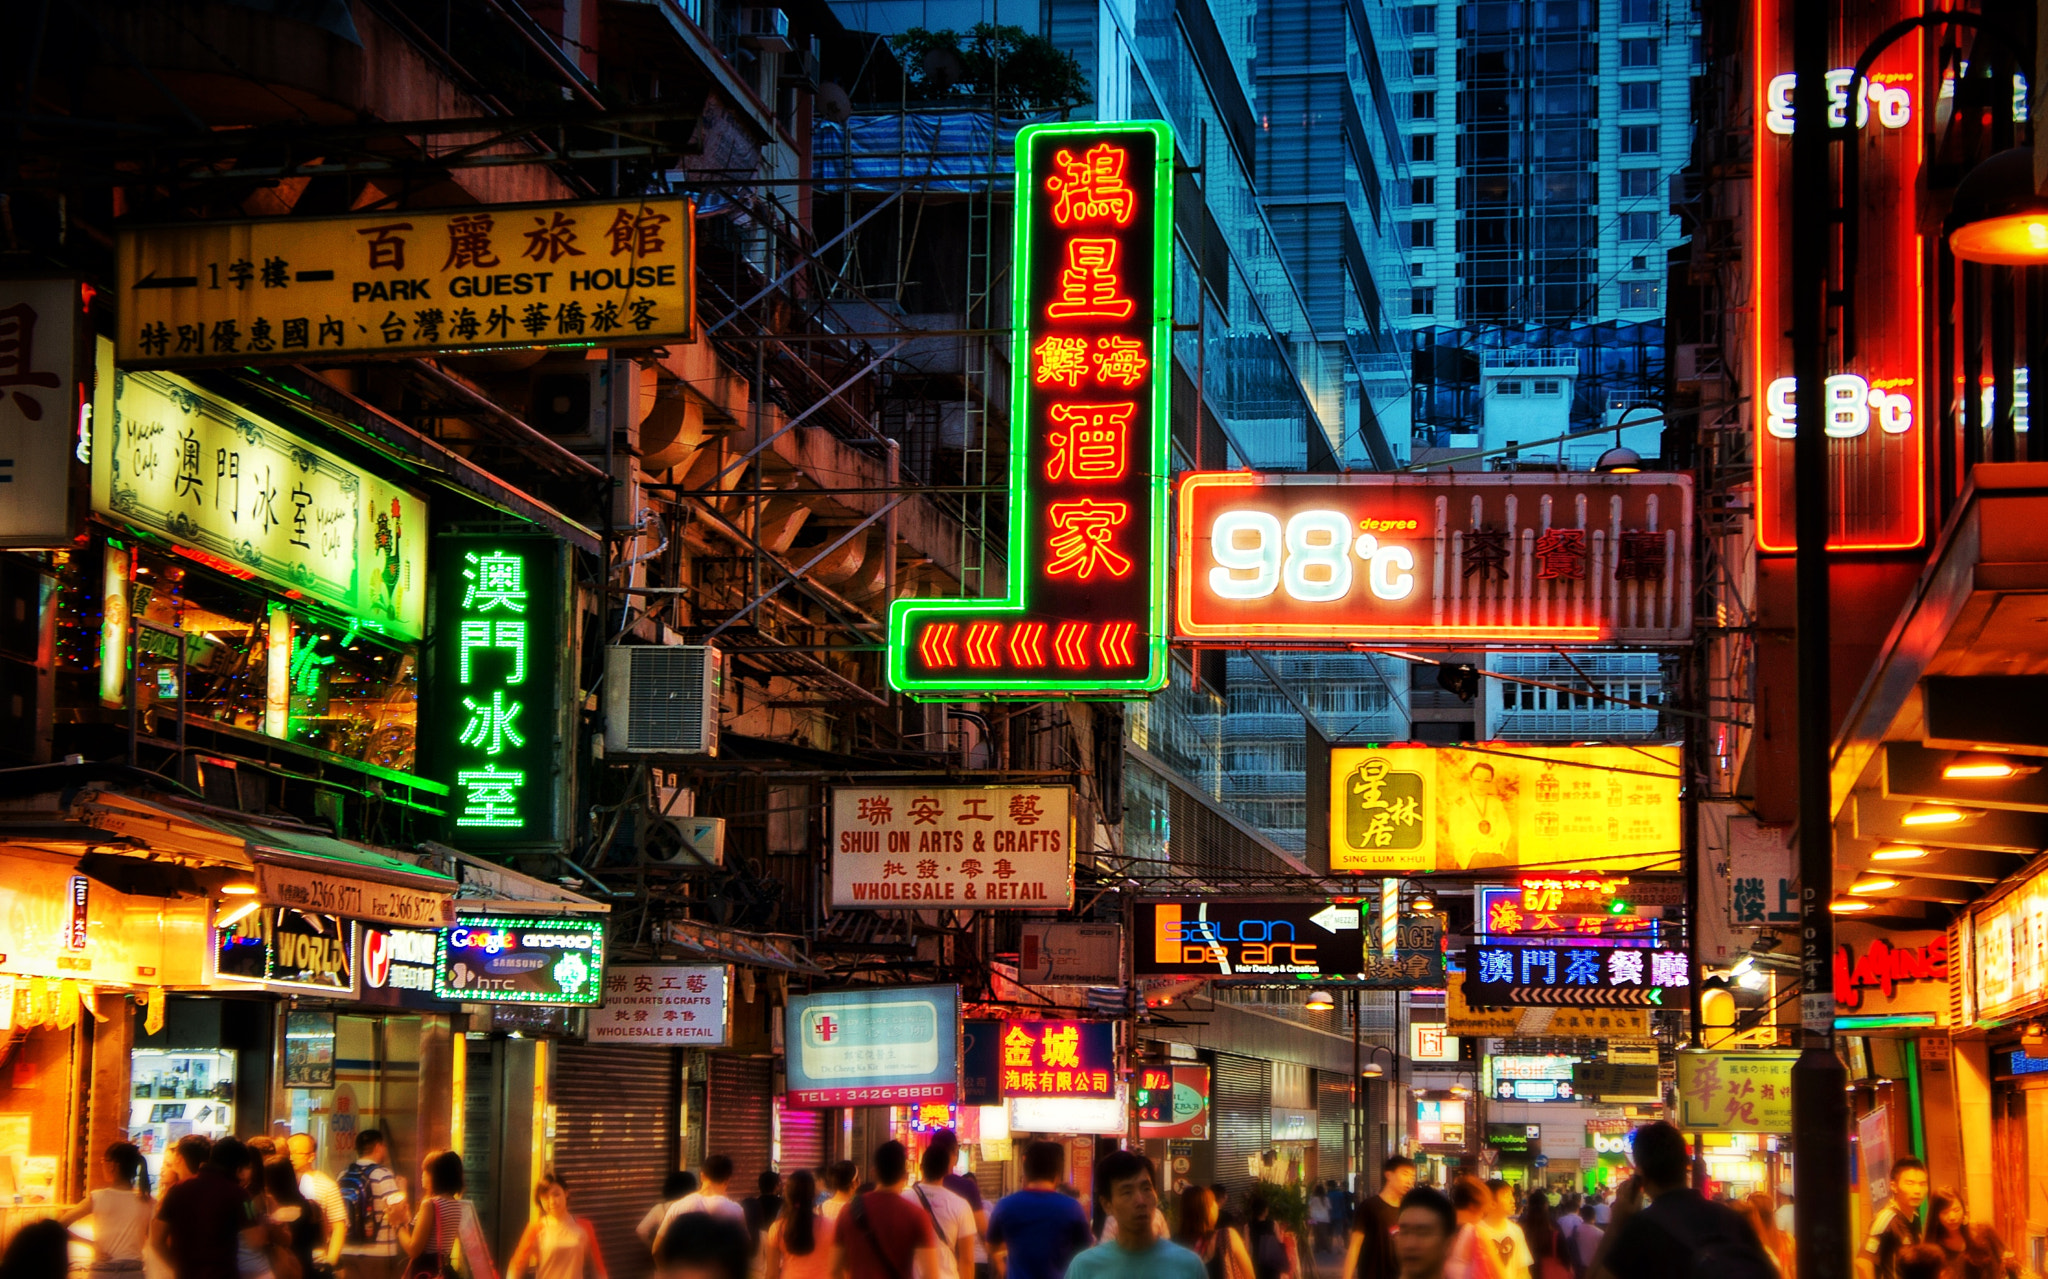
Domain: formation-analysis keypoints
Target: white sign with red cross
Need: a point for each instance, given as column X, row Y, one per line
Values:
column 939, row 847
column 657, row 1004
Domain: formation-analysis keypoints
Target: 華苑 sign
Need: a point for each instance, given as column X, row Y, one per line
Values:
column 255, row 499
column 42, row 412
column 289, row 949
column 1577, row 975
column 1173, row 1101
column 1245, row 939
column 1084, row 608
column 1056, row 953
column 554, row 960
column 1735, row 1091
column 601, row 273
column 491, row 731
column 1877, row 405
column 1271, row 558
column 1397, row 810
column 967, row 847
column 660, row 1004
column 883, row 1046
column 1881, row 972
column 1059, row 1059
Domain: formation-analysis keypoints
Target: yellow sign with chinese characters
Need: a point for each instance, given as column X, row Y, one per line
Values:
column 244, row 495
column 1735, row 1092
column 597, row 274
column 1600, row 1023
column 1397, row 810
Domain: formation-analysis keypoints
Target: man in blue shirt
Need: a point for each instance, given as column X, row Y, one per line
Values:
column 1035, row 1232
column 1123, row 1185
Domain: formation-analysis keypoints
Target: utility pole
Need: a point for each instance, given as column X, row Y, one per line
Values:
column 1820, row 1119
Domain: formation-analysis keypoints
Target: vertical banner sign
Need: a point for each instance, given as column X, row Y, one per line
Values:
column 40, row 409
column 1877, row 408
column 491, row 737
column 1085, row 609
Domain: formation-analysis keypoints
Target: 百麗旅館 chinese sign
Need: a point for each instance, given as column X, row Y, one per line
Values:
column 933, row 847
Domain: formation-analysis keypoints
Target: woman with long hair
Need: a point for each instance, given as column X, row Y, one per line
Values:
column 558, row 1245
column 444, row 1219
column 1974, row 1252
column 120, row 1210
column 1202, row 1232
column 1757, row 1210
column 299, row 1225
column 798, row 1244
column 1546, row 1245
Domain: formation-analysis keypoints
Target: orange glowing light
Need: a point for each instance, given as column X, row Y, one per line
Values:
column 935, row 645
column 1091, row 286
column 1092, row 188
column 1027, row 644
column 1070, row 644
column 1083, row 537
column 982, row 648
column 1061, row 361
column 1120, row 361
column 1095, row 443
column 1114, row 644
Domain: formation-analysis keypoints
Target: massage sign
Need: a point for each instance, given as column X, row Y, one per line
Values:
column 1084, row 609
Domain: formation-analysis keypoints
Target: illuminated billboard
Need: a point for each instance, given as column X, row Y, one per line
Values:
column 1402, row 810
column 1449, row 557
column 1878, row 406
column 1084, row 608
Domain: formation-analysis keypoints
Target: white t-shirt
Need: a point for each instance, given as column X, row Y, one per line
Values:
column 120, row 1223
column 952, row 1219
column 326, row 1191
column 698, row 1201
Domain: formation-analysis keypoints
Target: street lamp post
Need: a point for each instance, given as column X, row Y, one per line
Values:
column 1362, row 1070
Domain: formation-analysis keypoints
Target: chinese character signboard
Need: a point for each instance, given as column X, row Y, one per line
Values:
column 659, row 1004
column 971, row 847
column 1617, row 1081
column 1405, row 558
column 41, row 408
column 521, row 961
column 981, row 1062
column 1516, row 1078
column 1059, row 1059
column 1085, row 607
column 1431, row 1041
column 491, row 733
column 1762, row 875
column 1599, row 1023
column 2010, row 951
column 1735, row 1092
column 1173, row 1101
column 397, row 967
column 1586, row 976
column 1533, row 908
column 603, row 273
column 1397, row 810
column 1249, row 939
column 886, row 1046
column 1878, row 405
column 255, row 499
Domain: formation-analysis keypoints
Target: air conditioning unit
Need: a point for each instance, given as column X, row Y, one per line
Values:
column 765, row 29
column 571, row 403
column 662, row 699
column 681, row 842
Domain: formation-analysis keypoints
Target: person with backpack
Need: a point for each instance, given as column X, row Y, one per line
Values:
column 374, row 1210
column 1034, row 1232
column 1679, row 1233
column 952, row 1217
column 881, row 1235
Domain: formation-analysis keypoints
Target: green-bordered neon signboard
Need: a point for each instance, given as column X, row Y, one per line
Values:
column 1085, row 610
column 555, row 960
column 490, row 728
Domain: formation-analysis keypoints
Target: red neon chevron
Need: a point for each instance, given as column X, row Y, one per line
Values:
column 935, row 646
column 1027, row 644
column 982, row 640
column 1115, row 643
column 1070, row 644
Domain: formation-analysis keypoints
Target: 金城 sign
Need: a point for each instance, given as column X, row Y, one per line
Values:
column 1735, row 1092
column 1059, row 1059
column 971, row 847
column 491, row 736
column 1085, row 605
column 521, row 961
column 1567, row 975
column 1409, row 809
column 601, row 273
column 254, row 499
column 1402, row 558
column 883, row 1046
column 662, row 1004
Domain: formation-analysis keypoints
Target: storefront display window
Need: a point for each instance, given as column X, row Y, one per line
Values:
column 178, row 1093
column 375, row 1071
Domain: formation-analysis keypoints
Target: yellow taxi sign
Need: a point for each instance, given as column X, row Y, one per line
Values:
column 600, row 273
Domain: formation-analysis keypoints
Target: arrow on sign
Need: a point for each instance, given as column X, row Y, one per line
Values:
column 154, row 281
column 1336, row 918
column 1584, row 996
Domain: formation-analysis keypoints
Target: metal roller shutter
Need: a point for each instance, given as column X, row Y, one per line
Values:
column 1333, row 1111
column 615, row 1140
column 803, row 1140
column 738, row 1117
column 1241, row 1099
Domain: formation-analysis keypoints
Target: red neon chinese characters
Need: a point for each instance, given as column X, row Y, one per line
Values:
column 1083, row 533
column 1094, row 442
column 1091, row 286
column 1120, row 361
column 1059, row 360
column 1092, row 188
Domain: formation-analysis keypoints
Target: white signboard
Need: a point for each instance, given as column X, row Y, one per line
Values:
column 1431, row 1042
column 1060, row 954
column 39, row 410
column 657, row 1004
column 1101, row 1115
column 937, row 847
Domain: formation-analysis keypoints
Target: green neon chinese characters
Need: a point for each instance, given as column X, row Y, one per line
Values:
column 496, row 583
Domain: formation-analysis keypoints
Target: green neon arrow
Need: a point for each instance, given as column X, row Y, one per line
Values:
column 1657, row 997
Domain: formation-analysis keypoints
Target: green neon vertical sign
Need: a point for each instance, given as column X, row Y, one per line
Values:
column 1084, row 610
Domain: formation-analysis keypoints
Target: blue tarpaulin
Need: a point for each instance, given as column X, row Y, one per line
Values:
column 953, row 149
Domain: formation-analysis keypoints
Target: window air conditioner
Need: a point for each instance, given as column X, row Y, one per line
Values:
column 662, row 700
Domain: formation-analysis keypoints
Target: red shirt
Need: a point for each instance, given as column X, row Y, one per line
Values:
column 881, row 1232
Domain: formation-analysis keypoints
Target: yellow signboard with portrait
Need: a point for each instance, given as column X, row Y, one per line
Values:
column 604, row 273
column 1400, row 810
column 248, row 497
